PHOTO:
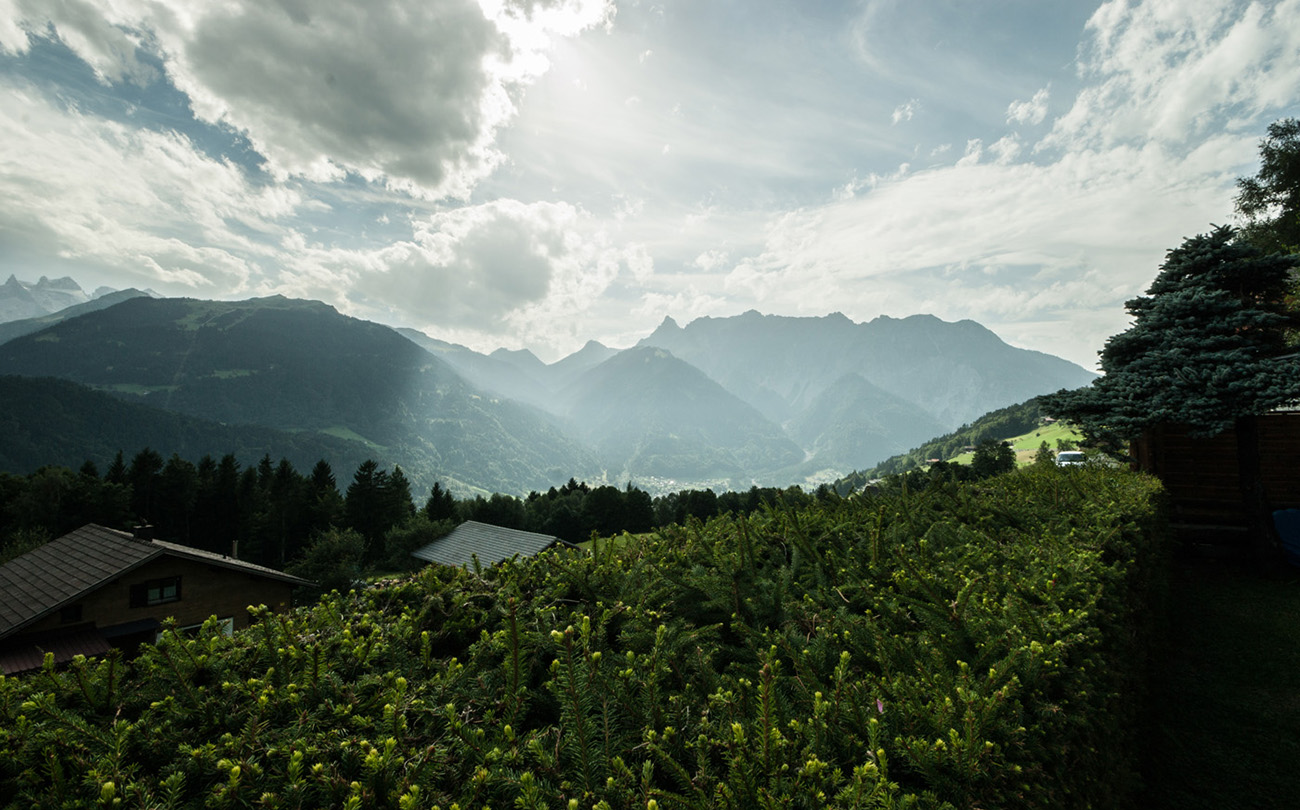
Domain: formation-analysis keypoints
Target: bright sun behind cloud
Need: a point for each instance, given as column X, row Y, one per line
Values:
column 542, row 172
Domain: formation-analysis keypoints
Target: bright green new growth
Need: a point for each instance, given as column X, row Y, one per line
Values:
column 960, row 647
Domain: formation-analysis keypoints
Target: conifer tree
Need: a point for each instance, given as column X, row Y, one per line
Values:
column 440, row 505
column 1207, row 346
column 364, row 506
column 325, row 506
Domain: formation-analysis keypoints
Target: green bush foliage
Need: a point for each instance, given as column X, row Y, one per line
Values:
column 966, row 646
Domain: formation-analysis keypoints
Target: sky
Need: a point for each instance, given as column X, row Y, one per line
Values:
column 539, row 173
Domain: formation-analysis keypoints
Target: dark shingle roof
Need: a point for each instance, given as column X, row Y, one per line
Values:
column 491, row 544
column 65, row 646
column 63, row 570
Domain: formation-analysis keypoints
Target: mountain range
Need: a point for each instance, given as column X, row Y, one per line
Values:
column 24, row 299
column 721, row 402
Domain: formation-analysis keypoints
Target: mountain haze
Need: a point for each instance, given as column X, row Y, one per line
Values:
column 852, row 420
column 648, row 413
column 301, row 366
column 723, row 402
column 20, row 300
column 953, row 371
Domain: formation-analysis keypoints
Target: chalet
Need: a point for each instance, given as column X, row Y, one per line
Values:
column 485, row 543
column 97, row 588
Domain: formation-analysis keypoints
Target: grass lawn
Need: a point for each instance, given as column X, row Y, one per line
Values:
column 1027, row 444
column 1227, row 699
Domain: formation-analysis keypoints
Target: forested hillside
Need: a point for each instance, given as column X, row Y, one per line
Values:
column 46, row 421
column 995, row 425
column 961, row 647
column 301, row 366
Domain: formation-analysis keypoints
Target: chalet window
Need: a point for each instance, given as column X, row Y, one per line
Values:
column 69, row 614
column 156, row 592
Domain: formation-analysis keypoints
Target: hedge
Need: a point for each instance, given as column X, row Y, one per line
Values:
column 969, row 646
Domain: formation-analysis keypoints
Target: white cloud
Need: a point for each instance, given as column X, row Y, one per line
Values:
column 905, row 111
column 1006, row 149
column 1166, row 70
column 1000, row 243
column 1031, row 112
column 410, row 92
column 974, row 151
column 503, row 270
column 145, row 206
column 689, row 302
column 711, row 260
column 103, row 37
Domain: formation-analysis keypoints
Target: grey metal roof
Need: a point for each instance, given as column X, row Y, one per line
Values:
column 491, row 544
column 65, row 569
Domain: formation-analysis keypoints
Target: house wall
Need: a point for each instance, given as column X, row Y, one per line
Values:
column 206, row 590
column 1201, row 475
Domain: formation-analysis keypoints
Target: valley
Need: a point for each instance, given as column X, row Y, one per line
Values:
column 721, row 403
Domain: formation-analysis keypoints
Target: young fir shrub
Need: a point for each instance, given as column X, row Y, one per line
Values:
column 966, row 646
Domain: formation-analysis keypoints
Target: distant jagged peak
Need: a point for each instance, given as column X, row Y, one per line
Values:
column 64, row 283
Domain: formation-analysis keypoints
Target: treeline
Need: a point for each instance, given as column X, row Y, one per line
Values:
column 272, row 514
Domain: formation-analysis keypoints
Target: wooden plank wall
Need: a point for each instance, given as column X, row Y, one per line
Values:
column 1279, row 458
column 1200, row 475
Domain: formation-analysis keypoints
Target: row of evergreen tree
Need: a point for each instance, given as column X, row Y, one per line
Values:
column 271, row 513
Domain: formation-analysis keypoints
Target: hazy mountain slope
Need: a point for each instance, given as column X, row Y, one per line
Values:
column 953, row 371
column 649, row 413
column 517, row 375
column 771, row 363
column 958, row 371
column 48, row 421
column 522, row 359
column 493, row 374
column 564, row 371
column 300, row 365
column 18, row 328
column 853, row 424
column 1003, row 423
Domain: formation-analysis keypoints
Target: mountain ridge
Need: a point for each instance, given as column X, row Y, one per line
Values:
column 301, row 366
column 748, row 399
